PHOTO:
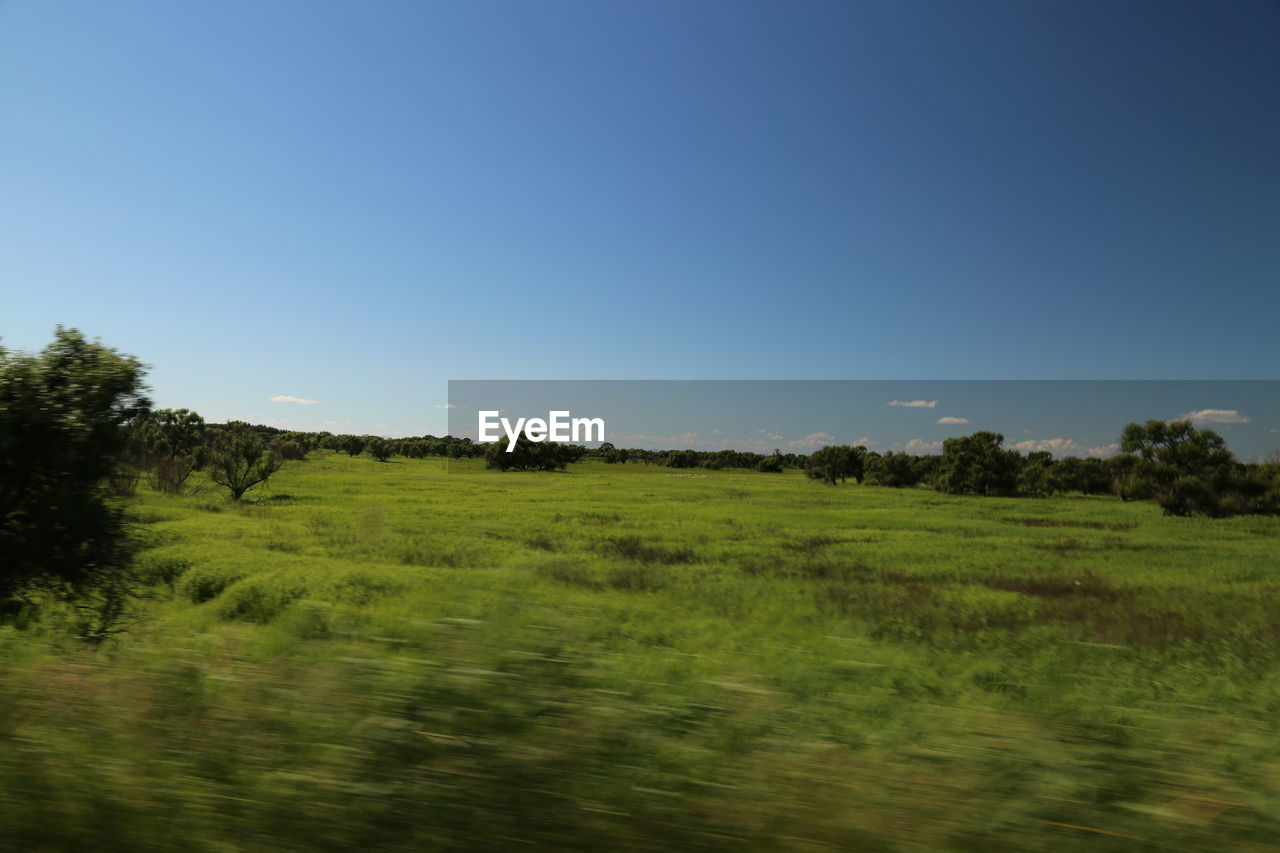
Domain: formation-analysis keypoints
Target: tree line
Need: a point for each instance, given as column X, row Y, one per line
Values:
column 1187, row 471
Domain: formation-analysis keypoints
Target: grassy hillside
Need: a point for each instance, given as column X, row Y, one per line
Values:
column 404, row 656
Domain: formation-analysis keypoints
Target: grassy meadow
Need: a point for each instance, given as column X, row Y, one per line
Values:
column 421, row 655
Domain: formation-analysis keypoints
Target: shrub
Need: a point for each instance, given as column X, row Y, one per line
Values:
column 205, row 583
column 290, row 451
column 63, row 419
column 770, row 465
column 260, row 598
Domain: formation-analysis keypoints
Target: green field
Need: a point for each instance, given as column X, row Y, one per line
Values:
column 411, row 656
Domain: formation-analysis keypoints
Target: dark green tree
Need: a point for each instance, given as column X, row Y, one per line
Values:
column 837, row 461
column 770, row 464
column 63, row 417
column 379, row 449
column 1190, row 471
column 978, row 464
column 173, row 446
column 528, row 455
column 899, row 470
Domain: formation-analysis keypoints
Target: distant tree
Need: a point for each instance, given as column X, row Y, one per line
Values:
column 1035, row 474
column 978, row 464
column 63, row 417
column 1190, row 472
column 352, row 445
column 681, row 459
column 770, row 464
column 528, row 455
column 379, row 449
column 290, row 451
column 899, row 470
column 837, row 461
column 173, row 442
column 1178, row 444
column 1087, row 476
column 240, row 459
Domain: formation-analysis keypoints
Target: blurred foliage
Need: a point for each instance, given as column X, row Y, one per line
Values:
column 421, row 657
column 63, row 432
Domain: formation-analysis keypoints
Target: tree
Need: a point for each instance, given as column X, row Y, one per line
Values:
column 978, row 464
column 1073, row 474
column 352, row 445
column 770, row 464
column 1035, row 474
column 172, row 447
column 528, row 455
column 1190, row 472
column 837, row 461
column 379, row 449
column 899, row 470
column 240, row 459
column 63, row 417
column 681, row 459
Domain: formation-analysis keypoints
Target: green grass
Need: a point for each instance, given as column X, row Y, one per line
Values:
column 413, row 657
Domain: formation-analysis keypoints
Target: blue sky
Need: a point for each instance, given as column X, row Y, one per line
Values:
column 352, row 203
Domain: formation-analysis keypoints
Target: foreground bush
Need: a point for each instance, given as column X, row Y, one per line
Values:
column 63, row 418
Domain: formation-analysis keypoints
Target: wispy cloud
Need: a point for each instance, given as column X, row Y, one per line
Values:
column 448, row 406
column 918, row 447
column 766, row 441
column 812, row 441
column 329, row 423
column 1061, row 447
column 1214, row 416
column 950, row 420
column 287, row 398
column 657, row 442
column 914, row 404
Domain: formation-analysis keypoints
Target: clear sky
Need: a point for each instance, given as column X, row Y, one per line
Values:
column 351, row 203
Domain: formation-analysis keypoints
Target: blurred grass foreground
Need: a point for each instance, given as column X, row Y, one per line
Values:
column 396, row 656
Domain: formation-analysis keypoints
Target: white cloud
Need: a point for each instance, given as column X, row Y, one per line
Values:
column 1061, row 447
column 951, row 420
column 808, row 444
column 1214, row 416
column 329, row 423
column 918, row 447
column 448, row 406
column 812, row 441
column 286, row 398
column 683, row 441
column 765, row 443
column 914, row 404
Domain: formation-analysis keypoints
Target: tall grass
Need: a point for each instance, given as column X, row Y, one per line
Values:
column 404, row 657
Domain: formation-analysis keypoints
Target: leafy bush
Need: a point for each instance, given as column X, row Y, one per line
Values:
column 260, row 598
column 205, row 583
column 63, row 417
column 770, row 465
column 528, row 455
